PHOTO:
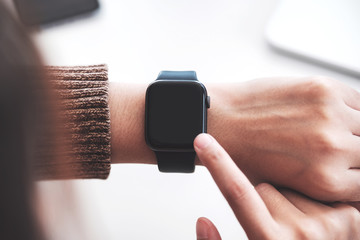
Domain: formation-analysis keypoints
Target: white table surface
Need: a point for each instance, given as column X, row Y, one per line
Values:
column 222, row 41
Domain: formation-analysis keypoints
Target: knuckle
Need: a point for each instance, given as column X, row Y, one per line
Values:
column 320, row 87
column 214, row 154
column 323, row 113
column 307, row 229
column 326, row 182
column 317, row 89
column 236, row 193
column 325, row 142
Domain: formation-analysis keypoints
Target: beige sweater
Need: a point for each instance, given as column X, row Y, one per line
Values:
column 83, row 91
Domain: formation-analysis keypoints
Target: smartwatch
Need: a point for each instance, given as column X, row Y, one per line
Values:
column 176, row 106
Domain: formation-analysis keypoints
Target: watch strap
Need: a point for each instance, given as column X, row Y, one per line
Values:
column 177, row 75
column 183, row 162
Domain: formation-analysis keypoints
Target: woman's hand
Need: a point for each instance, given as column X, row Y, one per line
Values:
column 300, row 133
column 266, row 213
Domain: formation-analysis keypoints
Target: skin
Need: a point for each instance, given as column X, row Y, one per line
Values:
column 266, row 213
column 298, row 133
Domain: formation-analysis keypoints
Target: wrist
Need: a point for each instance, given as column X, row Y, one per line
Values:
column 228, row 125
column 127, row 107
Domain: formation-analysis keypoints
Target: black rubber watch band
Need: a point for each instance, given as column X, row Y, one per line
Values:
column 177, row 75
column 176, row 161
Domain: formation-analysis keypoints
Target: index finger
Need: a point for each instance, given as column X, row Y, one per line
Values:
column 246, row 203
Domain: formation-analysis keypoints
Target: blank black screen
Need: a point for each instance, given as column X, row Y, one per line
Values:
column 175, row 114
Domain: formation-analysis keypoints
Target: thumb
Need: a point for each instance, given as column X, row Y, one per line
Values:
column 206, row 230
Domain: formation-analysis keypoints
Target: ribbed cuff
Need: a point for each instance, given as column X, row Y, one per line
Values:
column 83, row 93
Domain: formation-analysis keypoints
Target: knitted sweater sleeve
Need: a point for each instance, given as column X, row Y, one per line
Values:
column 83, row 92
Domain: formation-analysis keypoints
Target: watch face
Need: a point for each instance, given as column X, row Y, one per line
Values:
column 175, row 114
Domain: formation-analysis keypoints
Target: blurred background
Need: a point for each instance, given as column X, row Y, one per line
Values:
column 227, row 40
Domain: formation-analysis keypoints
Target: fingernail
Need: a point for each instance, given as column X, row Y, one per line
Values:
column 203, row 140
column 201, row 229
